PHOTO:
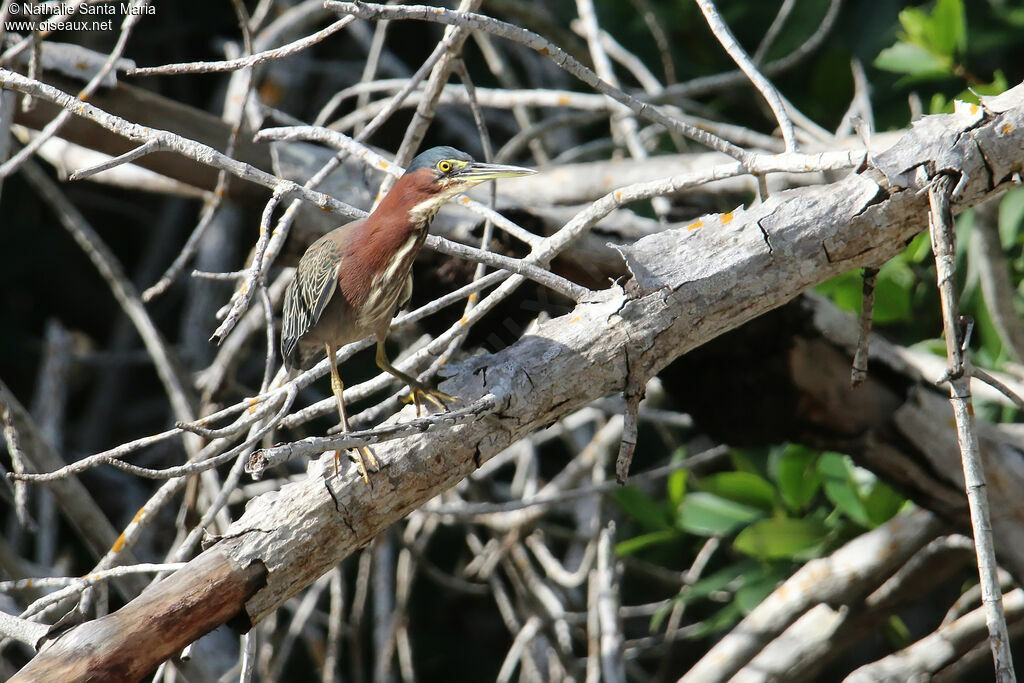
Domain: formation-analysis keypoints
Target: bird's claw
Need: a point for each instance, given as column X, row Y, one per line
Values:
column 356, row 456
column 419, row 393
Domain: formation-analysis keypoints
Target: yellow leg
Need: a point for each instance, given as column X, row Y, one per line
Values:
column 417, row 390
column 338, row 389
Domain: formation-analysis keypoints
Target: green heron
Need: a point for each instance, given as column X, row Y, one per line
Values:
column 350, row 281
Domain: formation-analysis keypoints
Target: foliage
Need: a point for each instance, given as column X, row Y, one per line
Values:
column 780, row 508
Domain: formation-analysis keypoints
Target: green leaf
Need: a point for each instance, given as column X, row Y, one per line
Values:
column 781, row 538
column 939, row 104
column 797, row 475
column 942, row 33
column 882, row 503
column 892, row 292
column 1011, row 216
column 744, row 460
column 912, row 60
column 676, row 485
column 741, row 487
column 997, row 86
column 948, row 35
column 844, row 290
column 722, row 620
column 632, row 545
column 841, row 488
column 920, row 249
column 918, row 26
column 990, row 352
column 1011, row 17
column 754, row 592
column 706, row 514
column 896, row 632
column 730, row 578
column 650, row 513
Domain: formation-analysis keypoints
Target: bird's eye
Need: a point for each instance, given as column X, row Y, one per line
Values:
column 444, row 166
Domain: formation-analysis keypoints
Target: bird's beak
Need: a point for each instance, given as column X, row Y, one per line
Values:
column 477, row 172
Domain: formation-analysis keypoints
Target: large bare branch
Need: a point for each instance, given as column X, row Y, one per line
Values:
column 690, row 286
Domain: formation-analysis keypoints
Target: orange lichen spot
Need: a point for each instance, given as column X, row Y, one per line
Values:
column 1006, row 129
column 442, row 362
column 574, row 320
column 474, row 296
column 544, row 51
column 694, row 226
column 463, row 320
column 118, row 544
column 974, row 109
column 383, row 164
column 727, row 218
column 27, row 583
column 618, row 196
column 464, row 200
column 563, row 100
column 252, row 405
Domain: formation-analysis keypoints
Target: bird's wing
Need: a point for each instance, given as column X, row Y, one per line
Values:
column 403, row 299
column 307, row 296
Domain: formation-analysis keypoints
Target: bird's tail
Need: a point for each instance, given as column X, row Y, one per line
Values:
column 284, row 374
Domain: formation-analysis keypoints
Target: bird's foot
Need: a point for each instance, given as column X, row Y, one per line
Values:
column 356, row 455
column 419, row 392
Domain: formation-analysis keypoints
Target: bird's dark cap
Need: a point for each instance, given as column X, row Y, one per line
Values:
column 429, row 158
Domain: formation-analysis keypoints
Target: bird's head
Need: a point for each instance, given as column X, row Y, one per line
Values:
column 440, row 173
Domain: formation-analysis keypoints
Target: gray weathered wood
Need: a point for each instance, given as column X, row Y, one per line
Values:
column 693, row 285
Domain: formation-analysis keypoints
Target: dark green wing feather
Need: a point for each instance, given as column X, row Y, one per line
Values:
column 307, row 296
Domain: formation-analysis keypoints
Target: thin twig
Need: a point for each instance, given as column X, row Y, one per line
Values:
column 89, row 579
column 994, row 382
column 940, row 223
column 149, row 147
column 539, row 275
column 123, row 291
column 51, row 128
column 859, row 371
column 987, row 256
column 18, row 465
column 275, row 455
column 22, row 630
column 739, row 55
column 608, row 608
column 238, row 92
column 539, row 44
column 188, row 148
column 242, row 62
column 247, row 290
